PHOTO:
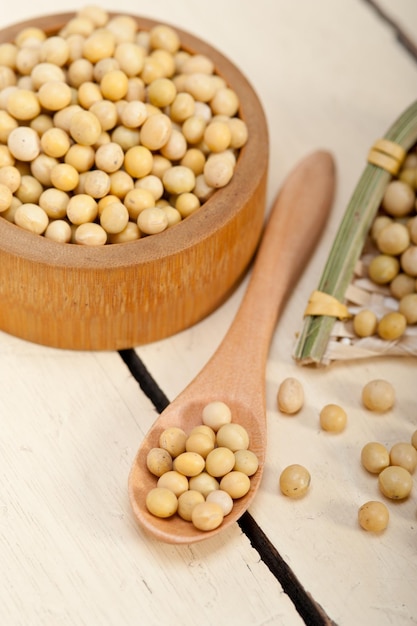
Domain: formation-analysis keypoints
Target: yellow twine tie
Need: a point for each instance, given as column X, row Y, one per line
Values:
column 388, row 155
column 321, row 303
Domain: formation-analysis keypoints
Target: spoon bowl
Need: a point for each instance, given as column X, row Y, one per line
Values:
column 235, row 374
column 187, row 415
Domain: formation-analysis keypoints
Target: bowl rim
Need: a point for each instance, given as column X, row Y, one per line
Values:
column 215, row 213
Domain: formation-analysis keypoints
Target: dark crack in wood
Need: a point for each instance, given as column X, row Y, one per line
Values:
column 310, row 611
column 403, row 38
column 146, row 382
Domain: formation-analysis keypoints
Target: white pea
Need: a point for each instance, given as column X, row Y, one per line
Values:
column 158, row 461
column 365, row 323
column 178, row 179
column 155, row 131
column 408, row 307
column 219, row 462
column 197, row 63
column 378, row 395
column 109, row 157
column 225, row 102
column 408, row 260
column 201, row 86
column 218, row 170
column 207, row 516
column 373, row 516
column 294, row 481
column 54, row 202
column 24, row 143
column 233, row 436
column 85, row 128
column 186, row 204
column 130, row 233
column 176, row 482
column 173, row 439
column 239, row 132
column 215, row 414
column 204, row 483
column 398, row 198
column 204, row 430
column 186, row 503
column 114, row 218
column 395, row 482
column 200, row 443
column 90, row 234
column 81, row 208
column 151, row 183
column 97, row 183
column 217, row 136
column 5, row 197
column 152, row 221
column 161, row 502
column 236, row 484
column 404, row 454
column 59, row 230
column 46, row 72
column 290, row 396
column 246, row 461
column 55, row 95
column 23, row 104
column 176, row 146
column 333, row 418
column 202, row 190
column 41, row 168
column 223, row 498
column 31, row 217
column 374, row 457
column 30, row 190
column 189, row 463
column 173, row 215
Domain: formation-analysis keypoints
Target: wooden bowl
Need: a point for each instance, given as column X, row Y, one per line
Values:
column 122, row 295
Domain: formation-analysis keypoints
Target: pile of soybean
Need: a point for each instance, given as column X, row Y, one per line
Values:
column 393, row 266
column 109, row 133
column 200, row 474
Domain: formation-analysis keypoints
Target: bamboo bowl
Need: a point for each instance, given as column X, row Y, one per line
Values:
column 119, row 296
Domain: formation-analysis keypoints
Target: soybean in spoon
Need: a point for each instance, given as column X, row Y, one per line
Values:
column 235, row 374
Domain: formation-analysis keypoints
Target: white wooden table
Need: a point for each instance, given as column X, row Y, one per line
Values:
column 331, row 74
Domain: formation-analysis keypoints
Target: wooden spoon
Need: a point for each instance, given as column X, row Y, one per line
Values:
column 235, row 373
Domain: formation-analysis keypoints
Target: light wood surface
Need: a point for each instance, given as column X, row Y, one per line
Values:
column 331, row 74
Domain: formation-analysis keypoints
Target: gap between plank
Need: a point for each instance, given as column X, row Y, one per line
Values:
column 309, row 610
column 403, row 38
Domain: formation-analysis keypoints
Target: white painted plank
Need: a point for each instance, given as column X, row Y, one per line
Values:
column 70, row 550
column 330, row 75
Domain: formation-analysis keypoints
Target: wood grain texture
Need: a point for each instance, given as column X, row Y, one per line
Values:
column 67, row 534
column 330, row 74
column 123, row 295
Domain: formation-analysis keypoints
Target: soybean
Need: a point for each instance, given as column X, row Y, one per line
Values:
column 373, row 516
column 102, row 97
column 294, row 481
column 378, row 395
column 290, row 396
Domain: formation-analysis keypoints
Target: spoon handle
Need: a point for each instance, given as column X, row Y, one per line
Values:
column 294, row 226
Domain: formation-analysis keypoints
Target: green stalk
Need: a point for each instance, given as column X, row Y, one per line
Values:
column 350, row 240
